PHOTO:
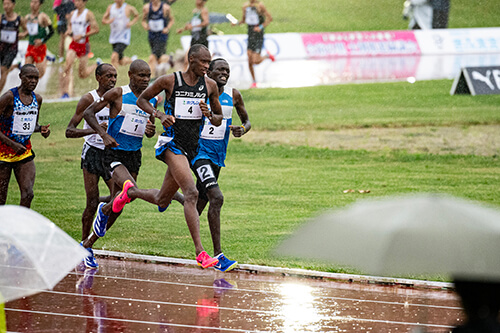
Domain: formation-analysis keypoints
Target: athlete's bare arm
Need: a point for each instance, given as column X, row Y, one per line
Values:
column 72, row 131
column 113, row 98
column 168, row 13
column 106, row 19
column 131, row 11
column 213, row 95
column 239, row 105
column 145, row 12
column 163, row 83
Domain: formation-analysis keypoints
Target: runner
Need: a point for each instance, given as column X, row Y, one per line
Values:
column 19, row 113
column 157, row 19
column 198, row 24
column 118, row 17
column 123, row 141
column 257, row 17
column 40, row 30
column 212, row 153
column 186, row 94
column 82, row 24
column 93, row 147
column 62, row 9
column 9, row 36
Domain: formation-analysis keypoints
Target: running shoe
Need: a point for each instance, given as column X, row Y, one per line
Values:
column 89, row 260
column 100, row 221
column 162, row 209
column 253, row 85
column 99, row 61
column 65, row 95
column 271, row 56
column 122, row 198
column 205, row 261
column 225, row 264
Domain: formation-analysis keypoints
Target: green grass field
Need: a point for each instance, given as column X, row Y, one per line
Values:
column 289, row 16
column 270, row 189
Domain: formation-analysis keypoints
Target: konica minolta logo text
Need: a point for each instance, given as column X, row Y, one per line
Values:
column 190, row 94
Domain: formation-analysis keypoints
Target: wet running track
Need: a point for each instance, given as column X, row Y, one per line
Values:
column 131, row 296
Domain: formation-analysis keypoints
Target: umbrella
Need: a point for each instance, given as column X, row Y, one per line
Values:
column 34, row 253
column 419, row 234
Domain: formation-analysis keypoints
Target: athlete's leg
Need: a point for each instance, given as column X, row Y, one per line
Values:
column 115, row 59
column 179, row 175
column 25, row 176
column 84, row 70
column 153, row 62
column 4, row 71
column 29, row 60
column 91, row 183
column 42, row 67
column 5, row 172
column 216, row 200
column 250, row 64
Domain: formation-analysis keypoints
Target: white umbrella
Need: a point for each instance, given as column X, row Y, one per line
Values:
column 420, row 234
column 34, row 253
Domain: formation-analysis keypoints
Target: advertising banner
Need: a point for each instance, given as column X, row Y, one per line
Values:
column 364, row 43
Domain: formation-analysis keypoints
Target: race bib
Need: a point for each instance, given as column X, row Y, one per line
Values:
column 251, row 17
column 211, row 132
column 187, row 108
column 8, row 36
column 205, row 172
column 195, row 21
column 156, row 25
column 134, row 125
column 24, row 124
column 32, row 28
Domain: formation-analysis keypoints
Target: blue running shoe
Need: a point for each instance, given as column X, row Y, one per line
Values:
column 161, row 209
column 86, row 281
column 90, row 261
column 225, row 264
column 100, row 221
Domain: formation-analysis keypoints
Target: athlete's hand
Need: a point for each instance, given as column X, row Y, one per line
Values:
column 104, row 126
column 166, row 120
column 150, row 129
column 237, row 131
column 76, row 38
column 257, row 29
column 45, row 131
column 180, row 30
column 109, row 141
column 165, row 31
column 18, row 148
column 204, row 109
column 38, row 42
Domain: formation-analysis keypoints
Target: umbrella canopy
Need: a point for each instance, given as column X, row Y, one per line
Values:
column 421, row 234
column 34, row 253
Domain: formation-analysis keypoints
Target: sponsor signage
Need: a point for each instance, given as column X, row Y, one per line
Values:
column 477, row 81
column 459, row 41
column 363, row 43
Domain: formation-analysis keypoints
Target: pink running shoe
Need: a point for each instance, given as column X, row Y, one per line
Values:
column 254, row 85
column 271, row 56
column 122, row 198
column 205, row 261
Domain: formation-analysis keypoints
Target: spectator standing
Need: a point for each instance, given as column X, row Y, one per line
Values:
column 419, row 13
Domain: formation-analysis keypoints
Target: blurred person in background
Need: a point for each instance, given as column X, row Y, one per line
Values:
column 120, row 16
column 198, row 24
column 9, row 37
column 257, row 17
column 40, row 30
column 82, row 25
column 62, row 9
column 157, row 19
column 440, row 13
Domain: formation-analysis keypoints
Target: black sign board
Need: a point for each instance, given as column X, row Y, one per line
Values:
column 477, row 81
